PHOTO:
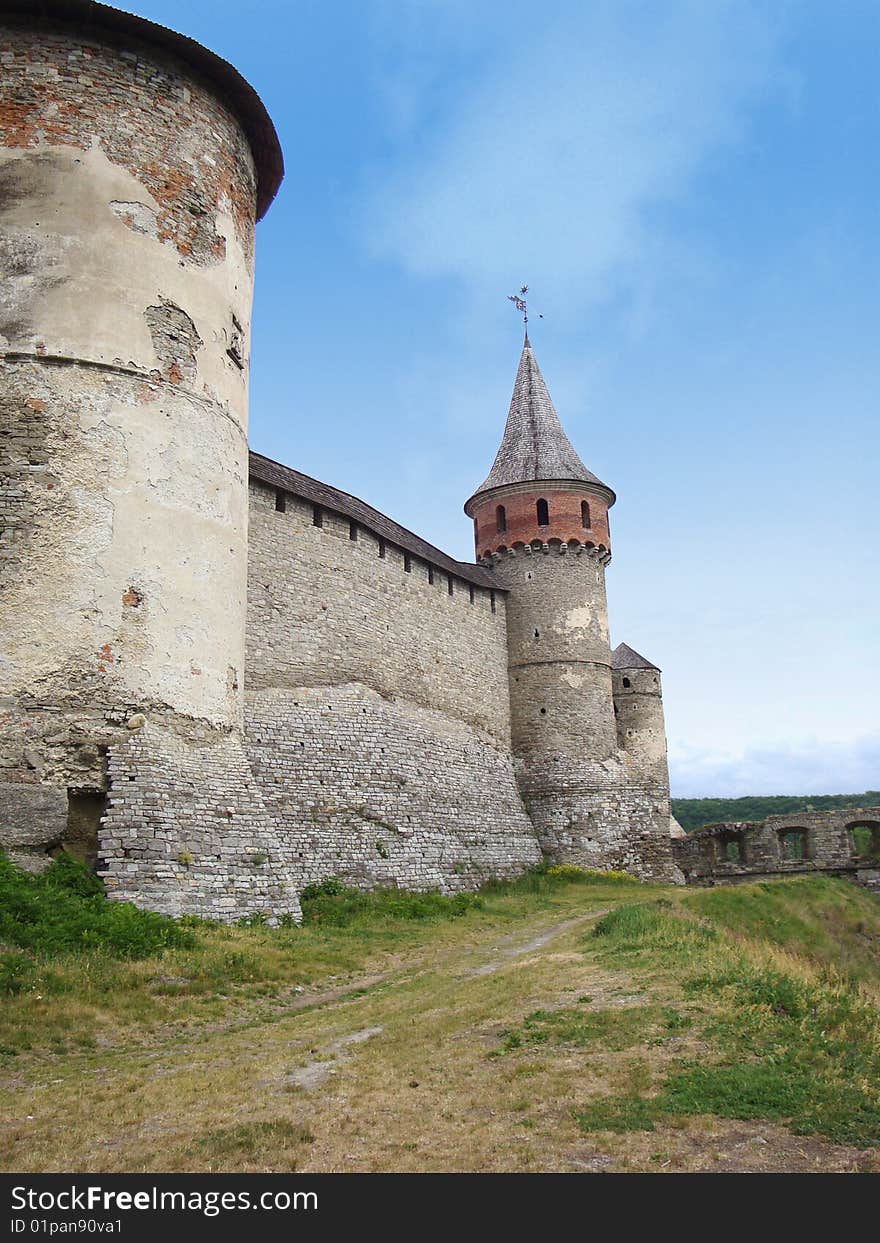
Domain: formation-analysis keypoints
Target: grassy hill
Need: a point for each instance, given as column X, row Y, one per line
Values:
column 693, row 813
column 565, row 1021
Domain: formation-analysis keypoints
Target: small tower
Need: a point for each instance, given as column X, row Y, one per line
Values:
column 638, row 706
column 541, row 522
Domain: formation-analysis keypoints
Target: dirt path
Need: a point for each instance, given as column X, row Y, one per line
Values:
column 508, row 951
column 404, row 1069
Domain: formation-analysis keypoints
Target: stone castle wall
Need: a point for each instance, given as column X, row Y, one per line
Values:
column 385, row 791
column 223, row 714
column 591, row 806
column 786, row 845
column 377, row 717
column 326, row 608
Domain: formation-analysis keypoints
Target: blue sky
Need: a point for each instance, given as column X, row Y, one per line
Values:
column 690, row 188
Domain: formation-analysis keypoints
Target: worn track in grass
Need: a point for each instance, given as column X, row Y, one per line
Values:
column 397, row 1068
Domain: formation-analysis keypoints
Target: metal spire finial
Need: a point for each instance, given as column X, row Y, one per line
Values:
column 519, row 301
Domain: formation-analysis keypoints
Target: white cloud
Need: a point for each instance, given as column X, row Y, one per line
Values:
column 552, row 150
column 806, row 766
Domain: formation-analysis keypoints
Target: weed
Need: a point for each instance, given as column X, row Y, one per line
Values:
column 64, row 909
column 621, row 1113
column 614, row 1030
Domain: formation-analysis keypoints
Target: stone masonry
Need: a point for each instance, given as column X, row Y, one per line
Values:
column 220, row 679
column 803, row 842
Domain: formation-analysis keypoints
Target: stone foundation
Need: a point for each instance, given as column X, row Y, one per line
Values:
column 186, row 831
column 383, row 792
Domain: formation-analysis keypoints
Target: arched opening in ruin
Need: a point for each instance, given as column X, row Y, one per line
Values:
column 793, row 844
column 864, row 836
column 543, row 510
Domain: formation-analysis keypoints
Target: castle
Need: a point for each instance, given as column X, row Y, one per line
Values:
column 218, row 676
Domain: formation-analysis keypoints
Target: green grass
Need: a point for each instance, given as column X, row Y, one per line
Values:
column 789, row 1038
column 611, row 1029
column 618, row 1114
column 77, row 970
column 827, row 920
column 250, row 1138
column 331, row 904
column 64, row 910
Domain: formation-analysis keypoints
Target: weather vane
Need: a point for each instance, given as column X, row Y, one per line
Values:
column 519, row 301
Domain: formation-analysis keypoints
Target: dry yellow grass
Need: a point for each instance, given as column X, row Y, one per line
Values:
column 390, row 1067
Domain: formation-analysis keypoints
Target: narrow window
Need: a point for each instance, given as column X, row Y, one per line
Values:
column 431, row 575
column 585, row 515
column 793, row 844
column 471, row 593
column 407, row 563
column 501, row 519
column 381, row 548
column 280, row 502
column 450, row 585
column 317, row 516
column 492, row 601
column 731, row 848
column 627, row 683
column 543, row 513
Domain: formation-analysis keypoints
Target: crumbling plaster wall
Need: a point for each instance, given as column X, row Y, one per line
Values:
column 126, row 463
column 127, row 206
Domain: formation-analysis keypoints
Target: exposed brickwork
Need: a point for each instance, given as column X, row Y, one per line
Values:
column 186, row 832
column 149, row 115
column 565, row 514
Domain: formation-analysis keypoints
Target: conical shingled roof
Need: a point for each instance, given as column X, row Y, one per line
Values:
column 624, row 657
column 534, row 445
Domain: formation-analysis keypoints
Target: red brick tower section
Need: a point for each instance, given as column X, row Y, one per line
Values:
column 541, row 523
column 538, row 491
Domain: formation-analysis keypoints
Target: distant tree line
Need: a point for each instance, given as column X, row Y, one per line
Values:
column 693, row 813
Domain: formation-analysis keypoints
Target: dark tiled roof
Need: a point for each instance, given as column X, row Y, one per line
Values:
column 534, row 446
column 624, row 657
column 292, row 481
column 96, row 19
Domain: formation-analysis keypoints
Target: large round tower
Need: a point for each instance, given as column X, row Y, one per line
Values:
column 541, row 521
column 133, row 166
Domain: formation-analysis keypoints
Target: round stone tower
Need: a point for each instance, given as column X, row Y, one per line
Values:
column 638, row 706
column 133, row 166
column 541, row 522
